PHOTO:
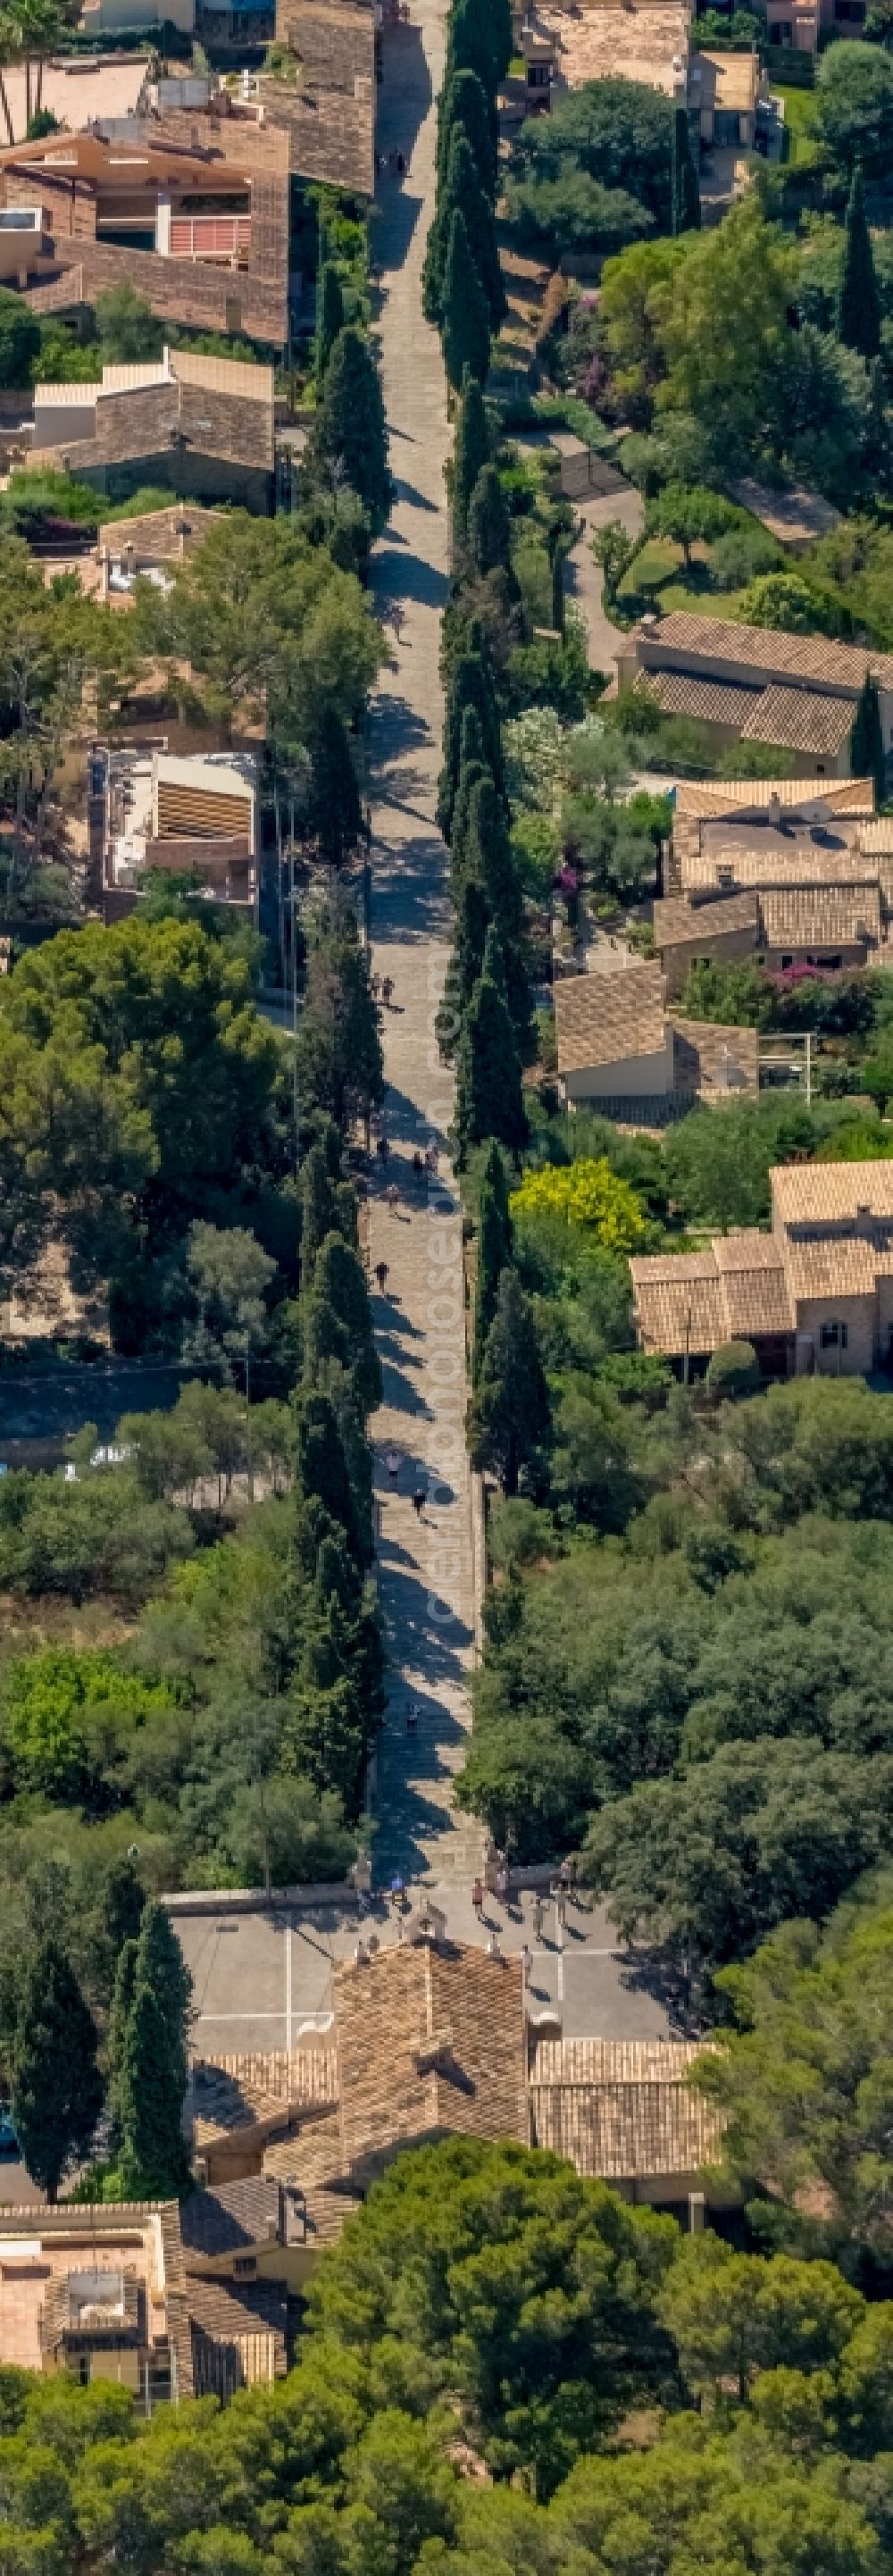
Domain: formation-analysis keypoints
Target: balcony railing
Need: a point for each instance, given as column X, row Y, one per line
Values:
column 210, row 236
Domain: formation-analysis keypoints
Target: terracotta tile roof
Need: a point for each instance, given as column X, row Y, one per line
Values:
column 259, row 2091
column 602, row 1019
column 310, row 2153
column 430, row 2038
column 623, row 2110
column 846, row 1269
column 766, row 649
column 721, row 702
column 829, row 1193
column 800, row 720
column 772, row 859
column 677, row 923
column 821, row 917
column 246, row 2324
column 709, row 1056
column 876, row 836
column 679, row 1303
column 735, row 1289
column 230, row 2217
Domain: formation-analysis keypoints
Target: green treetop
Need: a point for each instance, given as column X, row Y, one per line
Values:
column 330, row 316
column 489, row 532
column 469, row 687
column 494, row 1245
column 509, row 1417
column 150, row 2070
column 867, row 756
column 470, row 46
column 858, row 305
column 335, row 811
column 463, row 104
column 686, row 197
column 462, row 193
column 465, row 963
column 489, row 1099
column 471, row 451
column 350, row 429
column 464, row 310
column 56, row 2088
column 337, row 1321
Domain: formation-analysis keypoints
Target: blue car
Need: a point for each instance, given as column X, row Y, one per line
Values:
column 9, row 2145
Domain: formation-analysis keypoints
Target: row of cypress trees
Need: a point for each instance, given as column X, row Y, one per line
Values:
column 462, row 286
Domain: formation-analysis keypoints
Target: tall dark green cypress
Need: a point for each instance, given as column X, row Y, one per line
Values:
column 350, row 429
column 150, row 2075
column 464, row 104
column 494, row 1246
column 488, row 856
column 56, row 2087
column 462, row 194
column 470, row 685
column 509, row 1418
column 471, row 451
column 335, row 812
column 464, row 310
column 489, row 1099
column 470, row 47
column 685, row 214
column 469, row 775
column 858, row 306
column 488, row 526
column 867, row 758
column 329, row 316
column 464, row 968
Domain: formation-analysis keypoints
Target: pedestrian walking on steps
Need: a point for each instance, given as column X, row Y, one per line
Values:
column 381, row 1273
column 477, row 1897
column 381, row 1148
column 393, row 1196
column 412, row 1719
column 392, row 1463
column 418, row 1501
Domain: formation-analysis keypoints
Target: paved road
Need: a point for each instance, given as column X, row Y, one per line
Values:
column 427, row 1575
column 584, row 575
column 264, row 1981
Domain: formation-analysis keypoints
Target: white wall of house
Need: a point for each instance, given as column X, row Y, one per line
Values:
column 631, row 1077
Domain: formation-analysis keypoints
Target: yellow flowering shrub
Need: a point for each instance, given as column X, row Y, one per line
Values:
column 587, row 1194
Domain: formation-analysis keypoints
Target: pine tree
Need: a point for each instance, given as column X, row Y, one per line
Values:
column 494, row 1246
column 858, row 307
column 462, row 194
column 489, row 1100
column 329, row 316
column 867, row 759
column 469, row 686
column 335, row 811
column 150, row 2071
column 464, row 968
column 464, row 103
column 350, row 428
column 55, row 2084
column 509, row 1417
column 471, row 452
column 685, row 192
column 489, row 532
column 465, row 316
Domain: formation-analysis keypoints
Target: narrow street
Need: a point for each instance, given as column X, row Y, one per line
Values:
column 427, row 1570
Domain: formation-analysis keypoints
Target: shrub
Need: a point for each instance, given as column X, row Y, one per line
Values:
column 586, row 1194
column 733, row 1370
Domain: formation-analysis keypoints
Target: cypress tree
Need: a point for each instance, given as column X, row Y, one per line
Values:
column 322, row 1464
column 685, row 193
column 317, row 1197
column 867, row 759
column 464, row 104
column 338, row 1322
column 462, row 194
column 469, row 774
column 150, row 2073
column 350, row 424
column 470, row 686
column 509, row 1417
column 858, row 307
column 122, row 1999
column 55, row 2084
column 329, row 316
column 464, row 968
column 489, row 533
column 488, row 856
column 488, row 1074
column 471, row 452
column 335, row 811
column 470, row 48
column 119, row 1913
column 494, row 1246
column 465, row 315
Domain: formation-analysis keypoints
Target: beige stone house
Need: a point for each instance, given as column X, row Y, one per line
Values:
column 195, row 815
column 755, row 684
column 196, row 425
column 813, row 1295
column 771, row 872
column 619, row 1049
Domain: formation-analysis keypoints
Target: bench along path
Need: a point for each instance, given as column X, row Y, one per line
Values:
column 426, row 1570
